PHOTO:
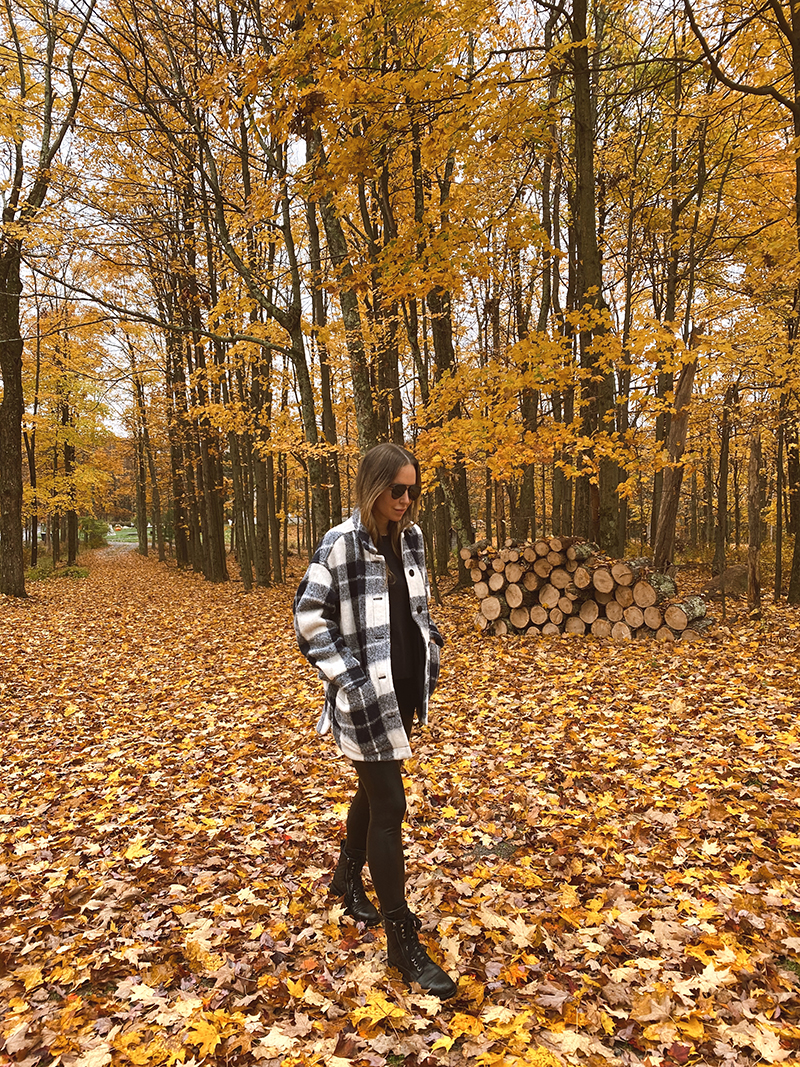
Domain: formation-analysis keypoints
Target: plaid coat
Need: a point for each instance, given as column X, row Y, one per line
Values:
column 341, row 618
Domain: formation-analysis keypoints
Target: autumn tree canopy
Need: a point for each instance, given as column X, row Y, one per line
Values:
column 555, row 249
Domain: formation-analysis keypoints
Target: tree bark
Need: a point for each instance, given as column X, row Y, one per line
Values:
column 754, row 527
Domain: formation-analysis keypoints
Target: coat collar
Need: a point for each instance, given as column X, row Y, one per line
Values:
column 363, row 533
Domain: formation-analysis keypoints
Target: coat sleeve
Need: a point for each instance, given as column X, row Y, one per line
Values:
column 316, row 624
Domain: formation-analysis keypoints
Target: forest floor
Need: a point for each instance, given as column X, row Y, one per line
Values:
column 603, row 841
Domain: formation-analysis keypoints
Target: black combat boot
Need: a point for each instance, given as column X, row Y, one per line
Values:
column 410, row 958
column 347, row 883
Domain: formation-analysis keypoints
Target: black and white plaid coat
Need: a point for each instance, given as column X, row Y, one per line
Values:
column 341, row 617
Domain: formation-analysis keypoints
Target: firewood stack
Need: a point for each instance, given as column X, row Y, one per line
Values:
column 565, row 585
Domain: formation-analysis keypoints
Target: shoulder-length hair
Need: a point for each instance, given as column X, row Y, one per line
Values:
column 378, row 470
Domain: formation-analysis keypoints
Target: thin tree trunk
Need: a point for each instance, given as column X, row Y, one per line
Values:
column 754, row 527
column 721, row 532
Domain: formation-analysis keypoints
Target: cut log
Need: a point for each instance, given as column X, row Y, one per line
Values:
column 558, row 559
column 623, row 595
column 519, row 618
column 473, row 550
column 509, row 555
column 644, row 595
column 664, row 586
column 542, row 567
column 560, row 577
column 548, row 596
column 574, row 625
column 532, row 631
column 582, row 577
column 517, row 595
column 481, row 621
column 538, row 615
column 603, row 580
column 550, row 628
column 566, row 605
column 634, row 617
column 532, row 581
column 541, row 547
column 732, row 582
column 614, row 611
column 653, row 617
column 620, row 631
column 498, row 565
column 494, row 607
column 583, row 551
column 590, row 610
column 500, row 628
column 678, row 616
column 622, row 573
column 477, row 574
column 497, row 581
column 603, row 598
column 514, row 572
column 601, row 628
column 481, row 590
column 529, row 554
column 556, row 616
column 665, row 634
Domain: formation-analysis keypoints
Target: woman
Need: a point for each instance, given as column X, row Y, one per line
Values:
column 361, row 617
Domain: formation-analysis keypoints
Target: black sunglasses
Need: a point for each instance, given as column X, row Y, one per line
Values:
column 398, row 489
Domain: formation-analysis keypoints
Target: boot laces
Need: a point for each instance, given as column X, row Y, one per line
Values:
column 416, row 950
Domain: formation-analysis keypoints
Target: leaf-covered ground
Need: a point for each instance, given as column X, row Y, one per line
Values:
column 603, row 842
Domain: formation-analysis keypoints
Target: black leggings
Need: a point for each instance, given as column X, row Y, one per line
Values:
column 375, row 818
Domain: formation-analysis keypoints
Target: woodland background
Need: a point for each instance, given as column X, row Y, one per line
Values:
column 554, row 247
column 551, row 246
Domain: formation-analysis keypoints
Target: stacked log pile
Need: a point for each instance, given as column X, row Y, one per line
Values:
column 565, row 585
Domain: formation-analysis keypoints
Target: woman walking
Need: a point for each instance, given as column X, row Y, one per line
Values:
column 361, row 617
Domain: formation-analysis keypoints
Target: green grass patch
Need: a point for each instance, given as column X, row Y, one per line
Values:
column 45, row 569
column 127, row 536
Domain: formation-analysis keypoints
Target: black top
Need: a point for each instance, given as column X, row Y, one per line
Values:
column 406, row 640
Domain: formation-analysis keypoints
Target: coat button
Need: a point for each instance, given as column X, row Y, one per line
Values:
column 419, row 610
column 411, row 574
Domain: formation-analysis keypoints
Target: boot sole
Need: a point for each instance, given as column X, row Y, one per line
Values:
column 409, row 979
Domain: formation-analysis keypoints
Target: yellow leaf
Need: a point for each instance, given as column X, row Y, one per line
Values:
column 693, row 1028
column 31, row 976
column 445, row 1043
column 465, row 1024
column 136, row 849
column 377, row 1009
column 205, row 1035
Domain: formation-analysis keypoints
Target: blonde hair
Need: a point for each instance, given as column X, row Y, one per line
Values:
column 377, row 471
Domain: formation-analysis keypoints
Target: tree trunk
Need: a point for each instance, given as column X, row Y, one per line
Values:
column 141, row 492
column 754, row 527
column 721, row 532
column 12, row 572
column 599, row 501
column 664, row 545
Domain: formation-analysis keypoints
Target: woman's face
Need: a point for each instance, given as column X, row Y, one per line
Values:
column 386, row 509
